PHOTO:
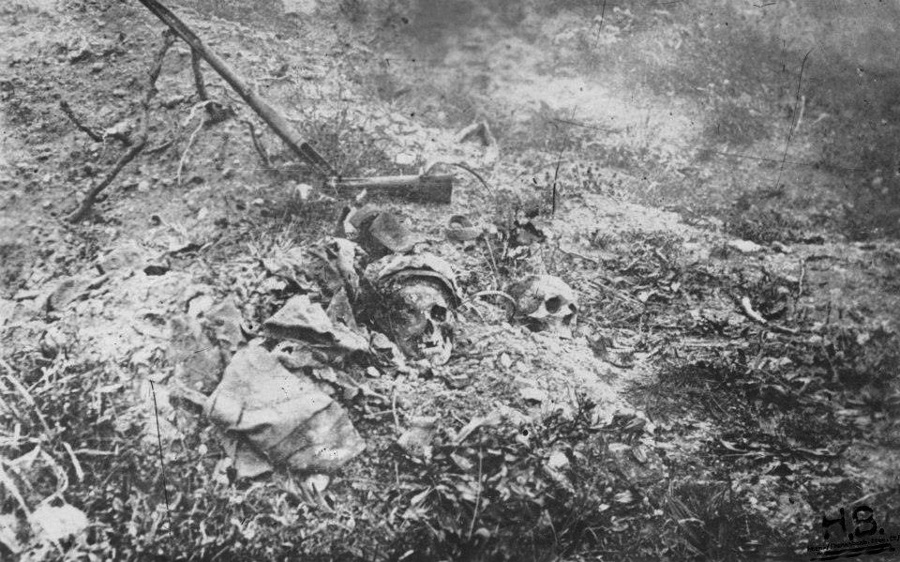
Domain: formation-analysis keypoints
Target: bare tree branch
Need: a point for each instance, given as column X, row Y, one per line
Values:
column 67, row 110
column 140, row 141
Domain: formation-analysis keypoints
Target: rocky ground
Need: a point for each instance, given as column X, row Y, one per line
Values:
column 725, row 210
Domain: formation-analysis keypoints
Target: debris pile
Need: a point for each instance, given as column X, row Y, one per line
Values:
column 341, row 308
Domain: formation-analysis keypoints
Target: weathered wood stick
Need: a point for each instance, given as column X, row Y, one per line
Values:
column 265, row 110
column 437, row 189
column 425, row 188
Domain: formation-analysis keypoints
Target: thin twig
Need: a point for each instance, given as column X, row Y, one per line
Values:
column 159, row 148
column 216, row 111
column 11, row 487
column 394, row 410
column 162, row 463
column 794, row 122
column 800, row 115
column 600, row 25
column 79, row 472
column 834, row 374
column 62, row 479
column 472, row 171
column 258, row 145
column 88, row 202
column 67, row 110
column 496, row 270
column 801, row 278
column 758, row 318
column 555, row 178
column 187, row 149
column 577, row 255
column 28, row 399
column 480, row 294
column 477, row 497
column 621, row 295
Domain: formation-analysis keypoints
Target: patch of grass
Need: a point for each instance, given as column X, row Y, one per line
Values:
column 638, row 280
column 493, row 499
column 509, row 492
column 344, row 139
column 765, row 217
column 713, row 520
column 545, row 491
column 737, row 124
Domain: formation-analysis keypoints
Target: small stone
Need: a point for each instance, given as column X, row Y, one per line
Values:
column 372, row 372
column 457, row 380
column 744, row 246
column 127, row 256
column 302, row 191
column 557, row 460
column 156, row 268
column 300, row 7
column 173, row 101
column 317, row 483
column 143, row 186
column 53, row 524
column 505, row 360
column 781, row 248
column 53, row 341
column 416, row 441
column 200, row 304
column 404, row 159
column 532, row 394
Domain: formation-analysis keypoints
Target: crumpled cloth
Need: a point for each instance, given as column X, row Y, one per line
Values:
column 273, row 417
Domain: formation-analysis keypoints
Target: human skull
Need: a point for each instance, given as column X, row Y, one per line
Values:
column 416, row 302
column 546, row 302
column 421, row 320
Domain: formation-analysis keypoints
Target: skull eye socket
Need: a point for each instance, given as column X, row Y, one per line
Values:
column 553, row 304
column 438, row 313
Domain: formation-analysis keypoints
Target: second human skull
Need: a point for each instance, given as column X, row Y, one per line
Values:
column 546, row 302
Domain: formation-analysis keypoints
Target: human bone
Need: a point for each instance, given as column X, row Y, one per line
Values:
column 546, row 302
column 416, row 298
